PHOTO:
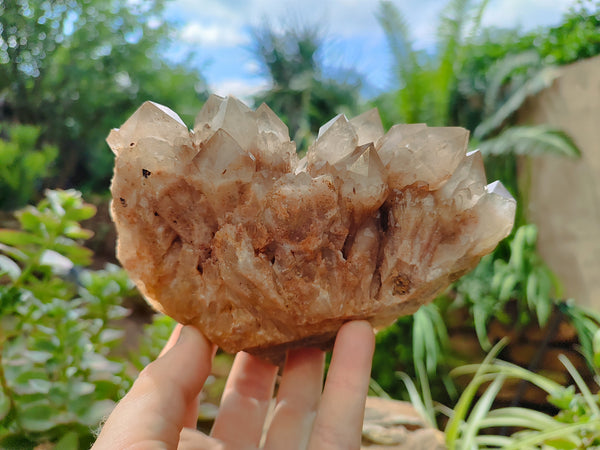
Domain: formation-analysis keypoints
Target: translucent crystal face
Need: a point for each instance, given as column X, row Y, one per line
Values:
column 224, row 228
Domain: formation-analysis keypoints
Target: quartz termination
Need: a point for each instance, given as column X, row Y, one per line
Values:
column 224, row 228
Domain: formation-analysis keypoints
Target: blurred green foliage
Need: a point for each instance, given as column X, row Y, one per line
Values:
column 489, row 74
column 154, row 338
column 73, row 69
column 23, row 165
column 420, row 342
column 425, row 81
column 57, row 328
column 505, row 57
column 475, row 423
column 77, row 68
column 300, row 94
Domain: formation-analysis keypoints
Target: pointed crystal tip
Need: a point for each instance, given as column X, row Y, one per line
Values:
column 498, row 188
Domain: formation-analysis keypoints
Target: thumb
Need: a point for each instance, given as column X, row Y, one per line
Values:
column 154, row 410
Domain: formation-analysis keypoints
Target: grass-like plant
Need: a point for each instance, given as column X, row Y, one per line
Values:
column 473, row 420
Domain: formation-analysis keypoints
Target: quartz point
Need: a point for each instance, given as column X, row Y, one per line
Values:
column 224, row 228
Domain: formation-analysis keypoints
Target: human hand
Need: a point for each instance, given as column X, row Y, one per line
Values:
column 160, row 410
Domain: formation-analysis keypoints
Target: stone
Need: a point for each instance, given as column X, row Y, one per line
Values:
column 391, row 424
column 222, row 227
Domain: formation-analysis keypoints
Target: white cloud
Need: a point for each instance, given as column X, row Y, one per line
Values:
column 212, row 35
column 526, row 14
column 355, row 17
column 238, row 87
column 252, row 67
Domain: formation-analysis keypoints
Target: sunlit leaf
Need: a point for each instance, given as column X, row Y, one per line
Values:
column 18, row 238
column 60, row 265
column 9, row 267
column 81, row 213
column 76, row 232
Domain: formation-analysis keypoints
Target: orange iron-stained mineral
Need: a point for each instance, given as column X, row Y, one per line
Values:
column 222, row 227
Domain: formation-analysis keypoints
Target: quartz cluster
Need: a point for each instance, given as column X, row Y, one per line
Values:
column 223, row 227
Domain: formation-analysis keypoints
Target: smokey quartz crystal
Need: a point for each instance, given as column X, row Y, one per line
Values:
column 224, row 228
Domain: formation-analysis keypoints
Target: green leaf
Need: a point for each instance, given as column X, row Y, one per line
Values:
column 587, row 395
column 97, row 412
column 80, row 256
column 481, row 408
column 16, row 440
column 543, row 309
column 534, row 140
column 38, row 356
column 5, row 404
column 18, row 238
column 69, row 441
column 517, row 250
column 501, row 71
column 415, row 399
column 596, row 348
column 462, row 407
column 76, row 232
column 36, row 417
column 519, row 417
column 29, row 219
column 14, row 253
column 80, row 388
column 507, row 287
column 110, row 335
column 9, row 267
column 32, row 381
column 81, row 213
column 532, row 289
column 480, row 318
column 556, row 433
column 540, row 81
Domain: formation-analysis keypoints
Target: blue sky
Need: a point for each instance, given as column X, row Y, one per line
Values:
column 219, row 33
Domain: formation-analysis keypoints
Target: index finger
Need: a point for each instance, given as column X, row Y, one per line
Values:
column 340, row 417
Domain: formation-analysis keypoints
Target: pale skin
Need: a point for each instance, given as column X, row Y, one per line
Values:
column 160, row 410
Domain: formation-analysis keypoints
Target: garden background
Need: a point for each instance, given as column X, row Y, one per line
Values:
column 73, row 330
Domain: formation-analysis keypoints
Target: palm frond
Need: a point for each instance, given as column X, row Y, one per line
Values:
column 397, row 33
column 476, row 20
column 502, row 70
column 537, row 83
column 449, row 36
column 452, row 22
column 533, row 140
